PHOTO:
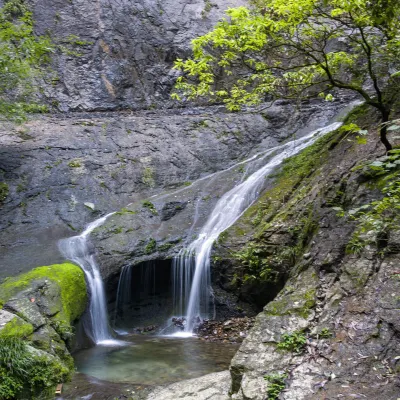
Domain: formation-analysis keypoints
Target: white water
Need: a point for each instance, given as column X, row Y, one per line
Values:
column 192, row 266
column 77, row 250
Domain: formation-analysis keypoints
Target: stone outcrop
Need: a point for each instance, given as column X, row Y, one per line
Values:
column 40, row 308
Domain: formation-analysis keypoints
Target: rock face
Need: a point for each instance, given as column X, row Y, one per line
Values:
column 332, row 331
column 62, row 173
column 126, row 48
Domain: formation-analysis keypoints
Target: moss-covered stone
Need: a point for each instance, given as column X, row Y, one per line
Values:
column 70, row 279
column 13, row 326
column 39, row 308
column 298, row 298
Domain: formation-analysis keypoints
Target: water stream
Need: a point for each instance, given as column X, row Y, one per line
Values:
column 191, row 268
column 192, row 279
column 77, row 250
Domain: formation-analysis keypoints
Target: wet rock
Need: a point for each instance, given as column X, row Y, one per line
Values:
column 170, row 209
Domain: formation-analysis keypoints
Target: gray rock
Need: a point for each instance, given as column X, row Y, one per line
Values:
column 112, row 160
column 27, row 309
column 127, row 61
column 209, row 387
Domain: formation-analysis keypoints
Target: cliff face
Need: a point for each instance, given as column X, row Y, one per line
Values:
column 126, row 48
column 62, row 173
column 327, row 231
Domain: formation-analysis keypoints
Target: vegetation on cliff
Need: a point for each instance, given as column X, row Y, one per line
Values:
column 22, row 56
column 299, row 49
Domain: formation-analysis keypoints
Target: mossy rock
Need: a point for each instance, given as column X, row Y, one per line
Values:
column 13, row 326
column 68, row 277
column 297, row 298
column 29, row 373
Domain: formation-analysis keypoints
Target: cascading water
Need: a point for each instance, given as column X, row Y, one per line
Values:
column 191, row 273
column 77, row 250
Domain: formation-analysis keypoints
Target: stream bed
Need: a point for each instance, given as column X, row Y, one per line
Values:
column 154, row 360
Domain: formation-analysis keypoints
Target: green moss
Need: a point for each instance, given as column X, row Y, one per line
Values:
column 28, row 373
column 125, row 211
column 16, row 328
column 74, row 164
column 69, row 277
column 150, row 206
column 298, row 303
column 4, row 190
column 148, row 177
column 151, row 246
column 166, row 246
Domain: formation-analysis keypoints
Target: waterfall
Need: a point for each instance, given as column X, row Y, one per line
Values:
column 77, row 250
column 192, row 278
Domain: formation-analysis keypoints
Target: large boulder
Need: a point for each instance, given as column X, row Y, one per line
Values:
column 38, row 310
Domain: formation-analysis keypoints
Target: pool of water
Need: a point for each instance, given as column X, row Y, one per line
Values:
column 152, row 360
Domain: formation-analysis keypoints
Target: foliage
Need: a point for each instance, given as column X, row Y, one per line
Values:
column 325, row 333
column 294, row 342
column 150, row 206
column 256, row 264
column 125, row 211
column 25, row 370
column 74, row 164
column 276, row 383
column 378, row 217
column 17, row 327
column 148, row 177
column 297, row 49
column 151, row 246
column 4, row 190
column 22, row 57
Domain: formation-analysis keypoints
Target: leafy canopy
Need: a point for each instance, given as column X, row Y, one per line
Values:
column 22, row 56
column 296, row 48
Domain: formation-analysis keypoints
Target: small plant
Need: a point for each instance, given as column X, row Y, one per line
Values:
column 151, row 246
column 124, row 211
column 376, row 218
column 21, row 371
column 165, row 246
column 3, row 191
column 355, row 245
column 150, row 206
column 148, row 177
column 276, row 383
column 294, row 342
column 325, row 333
column 74, row 164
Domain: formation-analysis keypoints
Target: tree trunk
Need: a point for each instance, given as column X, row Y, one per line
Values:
column 383, row 129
